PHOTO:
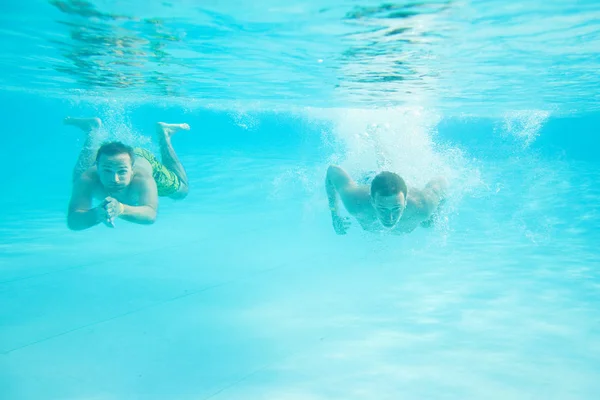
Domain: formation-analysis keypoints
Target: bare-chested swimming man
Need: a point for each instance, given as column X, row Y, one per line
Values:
column 387, row 204
column 126, row 180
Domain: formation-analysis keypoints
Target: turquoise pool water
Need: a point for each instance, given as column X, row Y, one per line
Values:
column 243, row 290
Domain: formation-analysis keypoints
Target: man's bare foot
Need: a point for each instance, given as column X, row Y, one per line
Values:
column 85, row 124
column 167, row 130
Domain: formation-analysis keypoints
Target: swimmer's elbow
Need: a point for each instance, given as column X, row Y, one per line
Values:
column 72, row 221
column 152, row 216
column 333, row 171
column 147, row 218
column 74, row 225
column 337, row 177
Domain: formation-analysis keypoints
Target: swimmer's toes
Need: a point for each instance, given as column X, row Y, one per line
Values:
column 170, row 129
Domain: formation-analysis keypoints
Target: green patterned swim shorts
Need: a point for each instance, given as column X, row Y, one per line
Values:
column 166, row 180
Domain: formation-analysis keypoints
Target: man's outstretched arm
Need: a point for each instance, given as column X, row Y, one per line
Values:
column 339, row 182
column 81, row 215
column 434, row 197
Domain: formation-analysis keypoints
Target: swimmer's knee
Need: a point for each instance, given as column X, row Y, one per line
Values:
column 181, row 193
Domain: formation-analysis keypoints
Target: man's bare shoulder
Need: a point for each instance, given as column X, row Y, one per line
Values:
column 425, row 201
column 141, row 180
column 143, row 191
column 357, row 199
column 417, row 201
column 142, row 167
column 89, row 177
column 360, row 191
column 85, row 187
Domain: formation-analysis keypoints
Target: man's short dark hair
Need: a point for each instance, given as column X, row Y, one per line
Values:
column 388, row 184
column 113, row 149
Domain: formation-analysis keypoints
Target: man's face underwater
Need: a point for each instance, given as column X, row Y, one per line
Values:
column 389, row 209
column 115, row 171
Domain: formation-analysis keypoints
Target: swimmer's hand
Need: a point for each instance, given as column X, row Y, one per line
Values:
column 102, row 216
column 340, row 224
column 113, row 209
column 110, row 209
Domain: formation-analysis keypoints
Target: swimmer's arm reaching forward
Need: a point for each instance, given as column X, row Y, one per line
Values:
column 434, row 196
column 81, row 215
column 339, row 182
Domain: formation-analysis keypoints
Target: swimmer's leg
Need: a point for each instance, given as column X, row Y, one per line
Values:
column 169, row 157
column 87, row 155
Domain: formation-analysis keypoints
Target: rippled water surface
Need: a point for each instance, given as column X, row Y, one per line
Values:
column 461, row 56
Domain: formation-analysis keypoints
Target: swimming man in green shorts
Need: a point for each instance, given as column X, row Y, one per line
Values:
column 126, row 180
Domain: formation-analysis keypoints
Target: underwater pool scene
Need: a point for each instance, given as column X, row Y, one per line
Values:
column 239, row 287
